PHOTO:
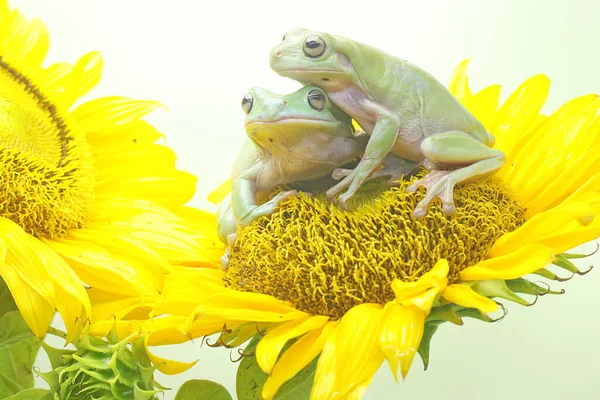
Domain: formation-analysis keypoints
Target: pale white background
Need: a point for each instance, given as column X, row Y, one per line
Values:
column 200, row 57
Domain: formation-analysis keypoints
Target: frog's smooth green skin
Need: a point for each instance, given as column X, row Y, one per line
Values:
column 296, row 137
column 406, row 111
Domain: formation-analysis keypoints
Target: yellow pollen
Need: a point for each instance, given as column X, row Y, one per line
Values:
column 325, row 260
column 46, row 183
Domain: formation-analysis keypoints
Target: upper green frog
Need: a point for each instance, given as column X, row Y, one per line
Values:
column 296, row 137
column 406, row 112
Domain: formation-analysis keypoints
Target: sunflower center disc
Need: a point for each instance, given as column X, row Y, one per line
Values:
column 45, row 175
column 325, row 260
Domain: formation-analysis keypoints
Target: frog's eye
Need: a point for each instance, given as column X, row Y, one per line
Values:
column 247, row 103
column 314, row 46
column 317, row 99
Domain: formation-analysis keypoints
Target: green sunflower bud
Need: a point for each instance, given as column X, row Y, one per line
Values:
column 101, row 369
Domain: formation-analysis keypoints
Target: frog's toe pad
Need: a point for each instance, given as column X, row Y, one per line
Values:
column 340, row 173
column 438, row 185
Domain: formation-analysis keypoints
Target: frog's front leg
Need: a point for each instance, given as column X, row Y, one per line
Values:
column 245, row 207
column 453, row 148
column 381, row 142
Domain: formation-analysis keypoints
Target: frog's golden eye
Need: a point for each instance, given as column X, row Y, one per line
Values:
column 314, row 46
column 317, row 99
column 247, row 102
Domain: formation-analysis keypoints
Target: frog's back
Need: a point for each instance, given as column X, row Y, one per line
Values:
column 417, row 97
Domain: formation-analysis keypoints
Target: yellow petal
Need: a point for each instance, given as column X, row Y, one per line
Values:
column 217, row 195
column 108, row 305
column 485, row 105
column 20, row 255
column 573, row 177
column 121, row 137
column 71, row 301
column 518, row 112
column 401, row 334
column 245, row 306
column 106, row 112
column 31, row 267
column 298, row 356
column 435, row 279
column 272, row 343
column 182, row 291
column 97, row 267
column 84, row 76
column 352, row 355
column 41, row 43
column 464, row 296
column 563, row 134
column 170, row 189
column 359, row 392
column 459, row 84
column 525, row 260
column 166, row 366
column 559, row 229
column 34, row 308
column 148, row 271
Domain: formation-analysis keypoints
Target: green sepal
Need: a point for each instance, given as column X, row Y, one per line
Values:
column 144, row 394
column 449, row 313
column 57, row 357
column 202, row 389
column 521, row 285
column 94, row 360
column 498, row 288
column 575, row 256
column 51, row 378
column 545, row 273
column 475, row 314
column 98, row 369
column 563, row 262
column 430, row 329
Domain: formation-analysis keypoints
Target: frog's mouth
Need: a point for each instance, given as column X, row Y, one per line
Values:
column 291, row 121
column 315, row 70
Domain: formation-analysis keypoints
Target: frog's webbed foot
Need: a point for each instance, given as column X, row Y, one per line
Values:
column 267, row 208
column 470, row 158
column 349, row 182
column 394, row 172
column 395, row 168
column 439, row 184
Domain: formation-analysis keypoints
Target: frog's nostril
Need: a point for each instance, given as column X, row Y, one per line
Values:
column 278, row 54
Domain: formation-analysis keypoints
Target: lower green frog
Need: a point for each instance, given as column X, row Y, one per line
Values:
column 298, row 137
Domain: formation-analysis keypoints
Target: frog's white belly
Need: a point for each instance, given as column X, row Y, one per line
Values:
column 408, row 137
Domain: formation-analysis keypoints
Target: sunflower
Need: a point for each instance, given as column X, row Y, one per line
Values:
column 361, row 287
column 88, row 197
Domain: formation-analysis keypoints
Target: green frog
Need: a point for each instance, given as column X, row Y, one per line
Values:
column 405, row 110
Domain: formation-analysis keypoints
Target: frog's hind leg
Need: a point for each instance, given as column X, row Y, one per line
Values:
column 394, row 167
column 470, row 158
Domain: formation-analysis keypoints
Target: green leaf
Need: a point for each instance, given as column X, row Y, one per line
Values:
column 198, row 389
column 18, row 348
column 32, row 394
column 251, row 379
column 7, row 303
column 299, row 386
